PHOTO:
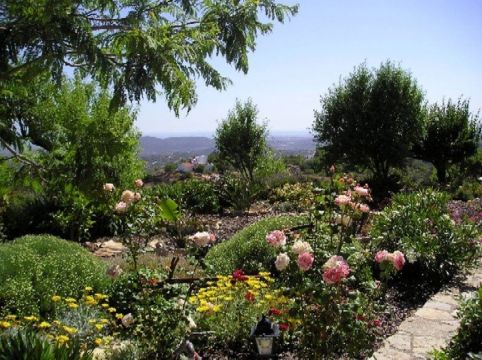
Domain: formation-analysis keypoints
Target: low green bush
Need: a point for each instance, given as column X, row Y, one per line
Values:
column 418, row 224
column 248, row 248
column 28, row 345
column 195, row 196
column 35, row 267
column 466, row 344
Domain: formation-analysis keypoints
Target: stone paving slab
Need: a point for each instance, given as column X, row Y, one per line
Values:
column 431, row 326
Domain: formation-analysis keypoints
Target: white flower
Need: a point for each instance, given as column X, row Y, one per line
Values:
column 301, row 247
column 109, row 187
column 138, row 183
column 190, row 323
column 344, row 220
column 282, row 261
column 127, row 320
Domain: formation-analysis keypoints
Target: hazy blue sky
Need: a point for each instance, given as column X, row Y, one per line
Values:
column 438, row 41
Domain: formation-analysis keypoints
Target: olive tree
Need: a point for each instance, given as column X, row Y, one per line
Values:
column 452, row 134
column 240, row 140
column 371, row 119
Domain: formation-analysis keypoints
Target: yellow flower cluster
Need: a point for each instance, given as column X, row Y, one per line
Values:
column 60, row 333
column 228, row 290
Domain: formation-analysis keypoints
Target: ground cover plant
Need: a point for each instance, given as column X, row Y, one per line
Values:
column 34, row 268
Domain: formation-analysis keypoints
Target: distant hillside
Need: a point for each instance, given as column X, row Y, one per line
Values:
column 153, row 147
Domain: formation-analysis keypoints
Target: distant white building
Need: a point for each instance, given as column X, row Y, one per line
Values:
column 200, row 160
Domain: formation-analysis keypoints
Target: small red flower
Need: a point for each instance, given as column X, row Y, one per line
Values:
column 377, row 322
column 249, row 296
column 275, row 312
column 360, row 318
column 239, row 275
column 284, row 326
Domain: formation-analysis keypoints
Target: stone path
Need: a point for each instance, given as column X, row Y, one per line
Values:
column 431, row 326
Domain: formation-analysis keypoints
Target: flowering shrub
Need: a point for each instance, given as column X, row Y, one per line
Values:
column 157, row 322
column 419, row 225
column 231, row 305
column 248, row 248
column 88, row 321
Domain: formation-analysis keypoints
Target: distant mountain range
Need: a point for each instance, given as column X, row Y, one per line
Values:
column 152, row 147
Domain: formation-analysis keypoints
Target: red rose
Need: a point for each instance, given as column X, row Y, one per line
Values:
column 284, row 326
column 360, row 317
column 239, row 275
column 275, row 312
column 377, row 322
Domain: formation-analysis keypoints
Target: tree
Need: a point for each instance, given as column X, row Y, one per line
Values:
column 371, row 119
column 133, row 46
column 452, row 134
column 76, row 139
column 241, row 141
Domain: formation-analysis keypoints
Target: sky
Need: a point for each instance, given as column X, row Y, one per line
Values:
column 437, row 41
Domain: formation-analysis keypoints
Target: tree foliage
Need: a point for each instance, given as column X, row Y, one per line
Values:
column 240, row 140
column 371, row 119
column 134, row 46
column 452, row 135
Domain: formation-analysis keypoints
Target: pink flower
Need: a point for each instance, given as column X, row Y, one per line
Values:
column 121, row 207
column 282, row 261
column 109, row 187
column 127, row 196
column 335, row 270
column 361, row 191
column 137, row 196
column 138, row 183
column 398, row 260
column 342, row 200
column 381, row 256
column 305, row 261
column 276, row 238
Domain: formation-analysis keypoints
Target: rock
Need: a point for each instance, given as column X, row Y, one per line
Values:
column 110, row 248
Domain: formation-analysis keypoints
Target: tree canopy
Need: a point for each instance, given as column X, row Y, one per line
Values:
column 452, row 134
column 134, row 45
column 371, row 119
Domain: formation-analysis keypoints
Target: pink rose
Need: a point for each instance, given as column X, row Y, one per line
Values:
column 335, row 270
column 398, row 260
column 109, row 187
column 276, row 238
column 305, row 261
column 137, row 196
column 381, row 256
column 361, row 191
column 138, row 183
column 121, row 207
column 342, row 200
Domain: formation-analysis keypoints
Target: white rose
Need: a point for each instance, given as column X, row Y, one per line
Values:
column 127, row 196
column 301, row 247
column 109, row 187
column 282, row 261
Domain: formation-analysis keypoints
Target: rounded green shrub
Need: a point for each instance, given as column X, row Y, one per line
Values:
column 35, row 267
column 418, row 224
column 248, row 249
